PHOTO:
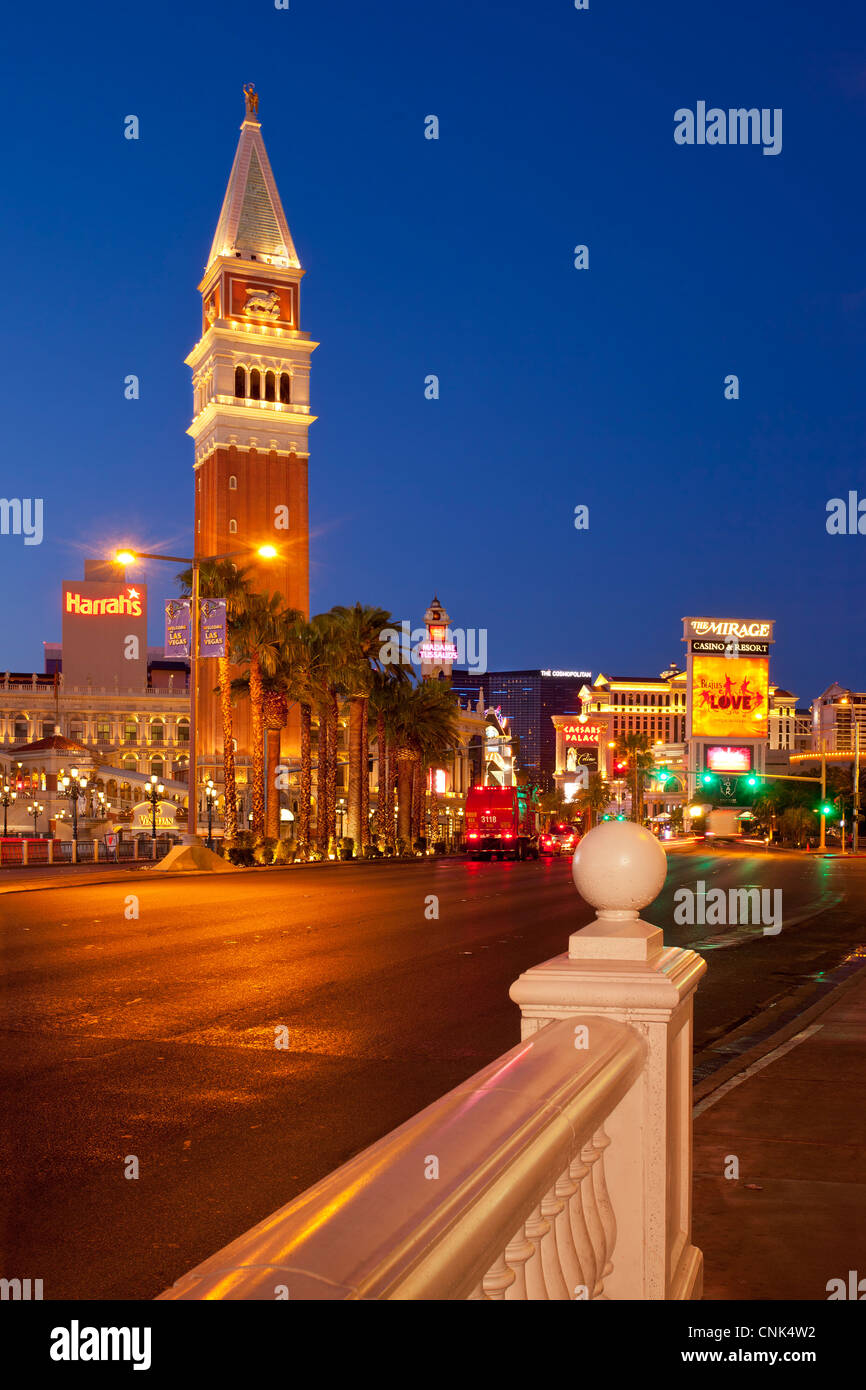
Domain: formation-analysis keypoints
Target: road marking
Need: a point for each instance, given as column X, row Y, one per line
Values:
column 754, row 1068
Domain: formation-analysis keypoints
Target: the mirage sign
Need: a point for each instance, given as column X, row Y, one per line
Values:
column 728, row 628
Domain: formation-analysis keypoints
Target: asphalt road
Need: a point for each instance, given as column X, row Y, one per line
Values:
column 154, row 1036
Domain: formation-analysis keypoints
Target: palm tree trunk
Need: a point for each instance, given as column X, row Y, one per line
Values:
column 306, row 779
column 230, row 817
column 332, row 765
column 381, row 777
column 322, row 779
column 405, row 763
column 273, row 800
column 418, row 797
column 258, row 749
column 357, row 715
column 365, row 776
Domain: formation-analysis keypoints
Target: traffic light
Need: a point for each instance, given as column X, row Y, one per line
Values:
column 826, row 808
column 708, row 779
column 606, row 817
column 751, row 780
column 621, row 767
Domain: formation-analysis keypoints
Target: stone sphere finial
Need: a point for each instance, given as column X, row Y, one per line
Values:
column 618, row 868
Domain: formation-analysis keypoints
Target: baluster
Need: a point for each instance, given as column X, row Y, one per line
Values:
column 497, row 1279
column 579, row 1228
column 572, row 1270
column 593, row 1217
column 478, row 1293
column 536, row 1229
column 553, row 1211
column 605, row 1206
column 517, row 1252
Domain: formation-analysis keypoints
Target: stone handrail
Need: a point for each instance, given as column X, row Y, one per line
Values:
column 562, row 1170
column 517, row 1208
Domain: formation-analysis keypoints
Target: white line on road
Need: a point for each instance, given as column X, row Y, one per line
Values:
column 755, row 1067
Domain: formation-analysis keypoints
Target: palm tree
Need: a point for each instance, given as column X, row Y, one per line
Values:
column 256, row 645
column 425, row 721
column 223, row 579
column 594, row 797
column 359, row 634
column 636, row 749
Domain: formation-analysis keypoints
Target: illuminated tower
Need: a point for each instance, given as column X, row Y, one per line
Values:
column 437, row 653
column 251, row 413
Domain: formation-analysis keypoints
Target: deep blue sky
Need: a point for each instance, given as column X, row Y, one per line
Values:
column 558, row 387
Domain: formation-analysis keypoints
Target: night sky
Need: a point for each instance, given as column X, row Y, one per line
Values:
column 559, row 387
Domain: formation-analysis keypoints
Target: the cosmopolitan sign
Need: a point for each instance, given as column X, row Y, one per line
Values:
column 582, row 675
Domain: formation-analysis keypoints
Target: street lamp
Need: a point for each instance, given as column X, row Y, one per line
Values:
column 130, row 557
column 211, row 793
column 154, row 795
column 35, row 811
column 72, row 786
column 6, row 801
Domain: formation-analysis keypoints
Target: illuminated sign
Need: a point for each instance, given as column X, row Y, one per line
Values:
column 437, row 651
column 721, row 759
column 166, row 815
column 729, row 697
column 128, row 603
column 582, row 675
column 742, row 648
column 727, row 627
column 104, row 634
column 583, row 733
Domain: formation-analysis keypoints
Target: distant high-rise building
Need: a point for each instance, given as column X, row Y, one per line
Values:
column 529, row 698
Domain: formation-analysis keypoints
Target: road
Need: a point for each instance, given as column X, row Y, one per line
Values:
column 154, row 1036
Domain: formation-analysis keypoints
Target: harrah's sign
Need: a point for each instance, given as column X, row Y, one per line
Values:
column 727, row 627
column 128, row 604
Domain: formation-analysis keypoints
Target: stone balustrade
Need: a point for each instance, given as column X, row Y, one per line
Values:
column 560, row 1171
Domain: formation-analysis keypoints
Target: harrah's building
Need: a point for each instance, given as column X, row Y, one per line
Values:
column 251, row 389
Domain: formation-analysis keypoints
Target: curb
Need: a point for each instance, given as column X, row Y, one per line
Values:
column 744, row 1060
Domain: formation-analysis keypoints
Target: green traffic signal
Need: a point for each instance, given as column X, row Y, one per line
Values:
column 708, row 779
column 826, row 808
column 752, row 780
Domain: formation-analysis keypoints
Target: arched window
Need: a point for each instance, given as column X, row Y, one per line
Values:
column 130, row 764
column 233, row 527
column 183, row 731
column 285, row 388
column 157, row 767
column 270, row 386
column 255, row 384
column 240, row 382
column 233, row 483
column 20, row 729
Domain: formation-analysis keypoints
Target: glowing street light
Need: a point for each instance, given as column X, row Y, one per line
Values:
column 131, row 557
column 6, row 800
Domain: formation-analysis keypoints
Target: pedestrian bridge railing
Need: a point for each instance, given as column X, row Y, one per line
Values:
column 560, row 1171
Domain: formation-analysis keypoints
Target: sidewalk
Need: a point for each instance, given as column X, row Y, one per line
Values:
column 795, row 1217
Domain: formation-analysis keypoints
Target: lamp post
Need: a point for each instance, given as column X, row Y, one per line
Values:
column 6, row 800
column 35, row 811
column 129, row 557
column 154, row 795
column 72, row 786
column 211, row 795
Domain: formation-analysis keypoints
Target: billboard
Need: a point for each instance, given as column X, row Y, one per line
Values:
column 729, row 697
column 726, row 759
column 104, row 634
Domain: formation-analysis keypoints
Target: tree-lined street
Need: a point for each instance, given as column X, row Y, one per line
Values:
column 154, row 1035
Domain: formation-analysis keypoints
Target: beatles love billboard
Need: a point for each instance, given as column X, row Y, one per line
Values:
column 729, row 697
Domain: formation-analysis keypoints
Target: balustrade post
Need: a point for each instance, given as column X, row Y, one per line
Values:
column 619, row 967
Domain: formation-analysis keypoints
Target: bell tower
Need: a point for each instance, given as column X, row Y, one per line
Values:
column 251, row 400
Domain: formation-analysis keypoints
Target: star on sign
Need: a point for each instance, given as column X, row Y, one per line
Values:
column 133, row 593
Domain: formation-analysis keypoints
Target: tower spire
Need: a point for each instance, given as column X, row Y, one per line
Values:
column 252, row 224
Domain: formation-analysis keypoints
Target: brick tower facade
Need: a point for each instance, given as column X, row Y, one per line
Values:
column 251, row 412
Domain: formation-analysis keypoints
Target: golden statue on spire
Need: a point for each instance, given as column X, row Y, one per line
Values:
column 252, row 99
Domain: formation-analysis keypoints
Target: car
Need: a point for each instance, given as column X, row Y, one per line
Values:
column 560, row 839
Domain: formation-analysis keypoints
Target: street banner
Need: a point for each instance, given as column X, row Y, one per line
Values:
column 212, row 635
column 178, row 630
